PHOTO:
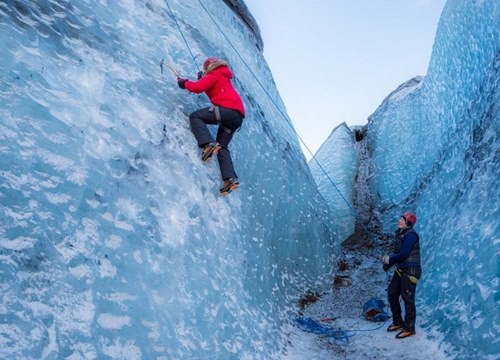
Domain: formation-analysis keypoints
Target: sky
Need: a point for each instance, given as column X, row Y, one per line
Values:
column 335, row 61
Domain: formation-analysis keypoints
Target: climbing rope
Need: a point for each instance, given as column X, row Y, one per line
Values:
column 265, row 91
column 277, row 107
column 182, row 35
column 314, row 326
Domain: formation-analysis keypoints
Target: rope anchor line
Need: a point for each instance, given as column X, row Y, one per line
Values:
column 182, row 34
column 263, row 88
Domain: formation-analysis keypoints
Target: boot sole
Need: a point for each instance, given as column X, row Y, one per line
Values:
column 229, row 190
column 395, row 329
column 211, row 154
column 404, row 336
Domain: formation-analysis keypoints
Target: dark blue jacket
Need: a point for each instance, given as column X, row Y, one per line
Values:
column 406, row 249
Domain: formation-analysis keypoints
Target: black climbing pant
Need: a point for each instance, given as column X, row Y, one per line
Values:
column 403, row 284
column 230, row 121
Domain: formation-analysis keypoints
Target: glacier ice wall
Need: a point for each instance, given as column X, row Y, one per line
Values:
column 334, row 169
column 464, row 49
column 114, row 241
column 435, row 149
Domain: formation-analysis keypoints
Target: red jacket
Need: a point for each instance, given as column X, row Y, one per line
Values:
column 219, row 89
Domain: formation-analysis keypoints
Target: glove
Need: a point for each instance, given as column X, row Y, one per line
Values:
column 200, row 74
column 181, row 82
column 386, row 267
column 385, row 259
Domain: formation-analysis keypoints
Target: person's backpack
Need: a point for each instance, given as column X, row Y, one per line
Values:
column 373, row 310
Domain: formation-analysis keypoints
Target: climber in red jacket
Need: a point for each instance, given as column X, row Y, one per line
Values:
column 227, row 111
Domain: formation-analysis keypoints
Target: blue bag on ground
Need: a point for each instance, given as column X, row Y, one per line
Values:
column 374, row 310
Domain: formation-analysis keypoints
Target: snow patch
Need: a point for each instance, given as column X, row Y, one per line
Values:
column 114, row 322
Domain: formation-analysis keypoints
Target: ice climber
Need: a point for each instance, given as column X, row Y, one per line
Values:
column 406, row 256
column 227, row 111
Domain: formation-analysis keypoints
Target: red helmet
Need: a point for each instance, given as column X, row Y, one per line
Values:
column 209, row 61
column 410, row 217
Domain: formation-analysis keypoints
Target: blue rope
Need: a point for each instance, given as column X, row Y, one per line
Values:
column 182, row 35
column 276, row 105
column 313, row 326
column 263, row 88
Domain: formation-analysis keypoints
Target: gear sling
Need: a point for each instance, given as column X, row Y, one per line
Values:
column 216, row 110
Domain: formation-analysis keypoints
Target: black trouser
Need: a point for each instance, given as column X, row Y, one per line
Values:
column 402, row 286
column 230, row 122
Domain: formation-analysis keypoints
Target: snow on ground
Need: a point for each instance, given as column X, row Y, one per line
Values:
column 366, row 340
column 360, row 277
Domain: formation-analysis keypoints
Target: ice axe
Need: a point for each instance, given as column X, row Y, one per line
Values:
column 162, row 62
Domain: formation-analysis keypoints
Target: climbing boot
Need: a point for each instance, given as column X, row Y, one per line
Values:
column 404, row 334
column 210, row 150
column 228, row 186
column 394, row 327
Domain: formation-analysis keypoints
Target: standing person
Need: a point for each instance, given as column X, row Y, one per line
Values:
column 404, row 281
column 227, row 111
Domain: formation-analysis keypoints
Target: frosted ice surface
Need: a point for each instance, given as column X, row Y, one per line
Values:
column 114, row 240
column 435, row 150
column 334, row 168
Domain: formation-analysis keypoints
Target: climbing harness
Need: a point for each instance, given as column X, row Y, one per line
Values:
column 412, row 278
column 216, row 110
